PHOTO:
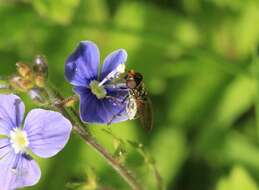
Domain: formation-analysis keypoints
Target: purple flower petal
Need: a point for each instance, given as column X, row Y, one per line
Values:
column 82, row 64
column 11, row 113
column 5, row 147
column 17, row 171
column 47, row 131
column 80, row 90
column 112, row 61
column 89, row 107
column 108, row 110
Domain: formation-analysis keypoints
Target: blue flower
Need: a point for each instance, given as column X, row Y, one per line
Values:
column 102, row 100
column 43, row 133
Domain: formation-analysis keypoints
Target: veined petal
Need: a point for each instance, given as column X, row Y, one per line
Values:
column 90, row 107
column 47, row 132
column 80, row 90
column 82, row 64
column 17, row 171
column 11, row 113
column 5, row 147
column 112, row 61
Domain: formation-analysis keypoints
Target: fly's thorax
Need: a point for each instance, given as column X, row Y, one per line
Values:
column 139, row 92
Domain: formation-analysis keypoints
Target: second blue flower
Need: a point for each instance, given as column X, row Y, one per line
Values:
column 102, row 100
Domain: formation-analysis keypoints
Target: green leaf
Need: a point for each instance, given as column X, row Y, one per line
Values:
column 169, row 150
column 237, row 99
column 58, row 10
column 239, row 179
column 256, row 78
column 247, row 29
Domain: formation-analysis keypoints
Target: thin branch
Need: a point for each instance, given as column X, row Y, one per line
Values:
column 255, row 62
column 159, row 180
column 122, row 170
column 79, row 128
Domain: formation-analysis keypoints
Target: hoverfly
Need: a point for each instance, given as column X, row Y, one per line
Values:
column 138, row 97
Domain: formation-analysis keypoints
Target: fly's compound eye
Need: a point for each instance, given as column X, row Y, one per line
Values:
column 131, row 84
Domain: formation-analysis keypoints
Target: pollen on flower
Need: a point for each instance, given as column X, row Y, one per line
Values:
column 19, row 140
column 98, row 90
column 121, row 68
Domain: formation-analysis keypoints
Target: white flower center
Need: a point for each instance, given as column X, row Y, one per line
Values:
column 97, row 90
column 19, row 140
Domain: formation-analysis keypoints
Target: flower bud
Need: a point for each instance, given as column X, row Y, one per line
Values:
column 40, row 65
column 70, row 101
column 21, row 84
column 35, row 95
column 24, row 70
column 40, row 80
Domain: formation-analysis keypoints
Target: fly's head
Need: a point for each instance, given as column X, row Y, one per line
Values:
column 133, row 79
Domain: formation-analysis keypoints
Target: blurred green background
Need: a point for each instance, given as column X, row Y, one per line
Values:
column 199, row 65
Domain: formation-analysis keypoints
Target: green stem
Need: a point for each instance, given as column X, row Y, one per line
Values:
column 80, row 128
column 158, row 178
column 256, row 77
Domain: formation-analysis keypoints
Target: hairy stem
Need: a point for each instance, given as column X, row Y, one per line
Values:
column 80, row 129
column 121, row 170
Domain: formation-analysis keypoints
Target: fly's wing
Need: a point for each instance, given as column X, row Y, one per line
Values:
column 145, row 112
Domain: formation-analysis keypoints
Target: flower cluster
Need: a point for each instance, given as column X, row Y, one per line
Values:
column 30, row 78
column 104, row 98
column 43, row 133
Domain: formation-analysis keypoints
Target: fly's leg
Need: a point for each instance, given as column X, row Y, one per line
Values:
column 117, row 100
column 119, row 114
column 119, row 103
column 114, row 117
